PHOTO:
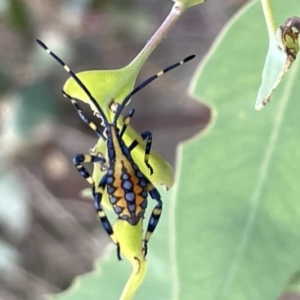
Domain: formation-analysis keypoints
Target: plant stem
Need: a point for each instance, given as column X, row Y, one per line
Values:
column 135, row 280
column 177, row 10
column 269, row 17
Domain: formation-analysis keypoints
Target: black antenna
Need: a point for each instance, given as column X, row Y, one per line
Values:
column 146, row 82
column 74, row 76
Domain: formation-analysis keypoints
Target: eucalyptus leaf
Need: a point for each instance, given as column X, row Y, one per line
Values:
column 238, row 192
column 274, row 69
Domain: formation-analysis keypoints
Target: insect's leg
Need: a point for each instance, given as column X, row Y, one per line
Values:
column 155, row 215
column 126, row 121
column 78, row 161
column 91, row 124
column 98, row 193
column 146, row 135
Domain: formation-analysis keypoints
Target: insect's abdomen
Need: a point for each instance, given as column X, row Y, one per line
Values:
column 126, row 187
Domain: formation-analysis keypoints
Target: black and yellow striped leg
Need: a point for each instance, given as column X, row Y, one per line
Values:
column 98, row 193
column 146, row 135
column 126, row 121
column 91, row 124
column 154, row 218
column 79, row 159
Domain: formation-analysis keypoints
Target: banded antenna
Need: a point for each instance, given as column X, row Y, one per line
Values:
column 127, row 98
column 75, row 77
column 146, row 82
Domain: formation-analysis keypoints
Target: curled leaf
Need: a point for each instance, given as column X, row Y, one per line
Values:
column 282, row 52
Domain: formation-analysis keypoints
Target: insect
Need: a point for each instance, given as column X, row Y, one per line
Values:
column 127, row 187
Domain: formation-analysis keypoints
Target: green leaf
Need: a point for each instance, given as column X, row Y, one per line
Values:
column 237, row 201
column 274, row 70
column 110, row 276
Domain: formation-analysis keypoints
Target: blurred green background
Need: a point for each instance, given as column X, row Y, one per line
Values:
column 48, row 234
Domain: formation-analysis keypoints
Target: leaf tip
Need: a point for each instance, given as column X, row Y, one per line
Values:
column 259, row 106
